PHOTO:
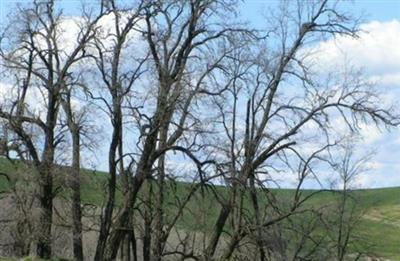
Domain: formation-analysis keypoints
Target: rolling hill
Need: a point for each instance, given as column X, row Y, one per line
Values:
column 379, row 225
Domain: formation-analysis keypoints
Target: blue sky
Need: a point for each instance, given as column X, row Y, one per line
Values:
column 377, row 53
column 381, row 10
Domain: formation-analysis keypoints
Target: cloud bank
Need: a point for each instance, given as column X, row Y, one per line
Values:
column 376, row 51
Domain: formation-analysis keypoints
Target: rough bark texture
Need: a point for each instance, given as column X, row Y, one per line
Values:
column 76, row 197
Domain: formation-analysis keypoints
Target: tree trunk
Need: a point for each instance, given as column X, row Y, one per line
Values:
column 254, row 199
column 159, row 241
column 106, row 219
column 76, row 197
column 43, row 248
column 147, row 223
column 132, row 238
column 217, row 231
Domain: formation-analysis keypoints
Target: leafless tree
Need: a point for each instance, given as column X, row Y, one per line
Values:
column 275, row 117
column 347, row 208
column 32, row 55
column 181, row 84
column 170, row 46
column 118, row 82
column 76, row 120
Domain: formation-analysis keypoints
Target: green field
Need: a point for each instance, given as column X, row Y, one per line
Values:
column 379, row 226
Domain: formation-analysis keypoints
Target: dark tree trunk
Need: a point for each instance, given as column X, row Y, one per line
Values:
column 217, row 231
column 106, row 219
column 46, row 179
column 132, row 238
column 159, row 200
column 147, row 224
column 43, row 248
column 76, row 197
column 254, row 199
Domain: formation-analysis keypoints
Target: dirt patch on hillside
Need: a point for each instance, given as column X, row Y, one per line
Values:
column 387, row 215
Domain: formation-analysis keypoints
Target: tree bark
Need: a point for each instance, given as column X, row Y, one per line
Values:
column 76, row 197
column 43, row 248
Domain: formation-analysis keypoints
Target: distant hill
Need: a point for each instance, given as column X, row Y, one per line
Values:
column 380, row 224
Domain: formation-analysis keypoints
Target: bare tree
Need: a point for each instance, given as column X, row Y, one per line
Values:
column 33, row 56
column 170, row 47
column 118, row 82
column 74, row 126
column 75, row 120
column 347, row 209
column 275, row 117
column 183, row 85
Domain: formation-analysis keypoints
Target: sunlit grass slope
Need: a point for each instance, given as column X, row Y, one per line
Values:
column 379, row 226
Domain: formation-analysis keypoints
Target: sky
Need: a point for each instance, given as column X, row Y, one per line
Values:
column 377, row 52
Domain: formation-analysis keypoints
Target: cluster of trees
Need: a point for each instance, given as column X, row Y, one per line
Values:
column 183, row 91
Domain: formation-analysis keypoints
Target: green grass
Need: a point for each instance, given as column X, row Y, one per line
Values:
column 381, row 222
column 379, row 229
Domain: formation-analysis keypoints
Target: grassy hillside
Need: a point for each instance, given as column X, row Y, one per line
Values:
column 381, row 222
column 379, row 227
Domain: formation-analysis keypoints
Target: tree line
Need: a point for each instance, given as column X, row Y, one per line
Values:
column 184, row 92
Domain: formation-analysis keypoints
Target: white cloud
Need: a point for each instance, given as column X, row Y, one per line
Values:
column 387, row 79
column 6, row 92
column 376, row 50
column 370, row 133
column 373, row 165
